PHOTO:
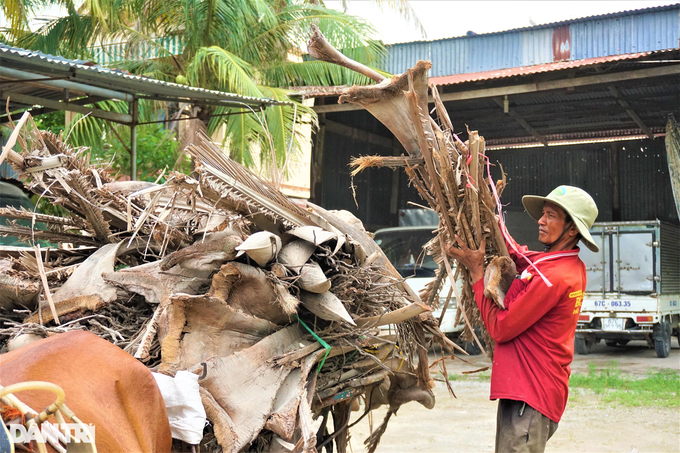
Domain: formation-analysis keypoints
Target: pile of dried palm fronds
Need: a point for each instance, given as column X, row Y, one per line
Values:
column 276, row 305
column 451, row 176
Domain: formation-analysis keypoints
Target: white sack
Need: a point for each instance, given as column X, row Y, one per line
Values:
column 183, row 404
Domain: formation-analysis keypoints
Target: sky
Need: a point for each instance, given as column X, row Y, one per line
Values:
column 446, row 19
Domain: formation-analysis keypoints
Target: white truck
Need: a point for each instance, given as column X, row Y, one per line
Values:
column 633, row 290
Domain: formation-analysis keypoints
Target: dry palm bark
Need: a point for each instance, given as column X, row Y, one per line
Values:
column 451, row 176
column 284, row 334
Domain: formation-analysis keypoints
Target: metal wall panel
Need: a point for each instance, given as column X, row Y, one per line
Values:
column 474, row 53
column 614, row 34
column 373, row 186
column 670, row 258
column 537, row 171
column 645, row 183
column 606, row 36
column 537, row 46
column 400, row 57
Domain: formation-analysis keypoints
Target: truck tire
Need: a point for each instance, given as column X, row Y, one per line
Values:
column 611, row 343
column 622, row 342
column 582, row 345
column 662, row 340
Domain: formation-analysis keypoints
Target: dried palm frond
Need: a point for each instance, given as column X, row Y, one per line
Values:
column 361, row 163
column 248, row 193
column 451, row 176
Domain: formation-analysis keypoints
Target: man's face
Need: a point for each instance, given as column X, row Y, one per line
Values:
column 551, row 223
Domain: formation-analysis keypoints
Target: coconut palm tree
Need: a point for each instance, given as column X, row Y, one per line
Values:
column 249, row 47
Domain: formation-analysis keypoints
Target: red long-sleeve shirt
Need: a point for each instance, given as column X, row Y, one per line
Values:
column 534, row 335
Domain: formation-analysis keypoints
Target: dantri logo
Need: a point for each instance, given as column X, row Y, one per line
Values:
column 66, row 433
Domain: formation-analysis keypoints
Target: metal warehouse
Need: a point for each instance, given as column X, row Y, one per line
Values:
column 582, row 102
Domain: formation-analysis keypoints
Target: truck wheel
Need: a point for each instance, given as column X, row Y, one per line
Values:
column 611, row 343
column 582, row 345
column 622, row 342
column 662, row 341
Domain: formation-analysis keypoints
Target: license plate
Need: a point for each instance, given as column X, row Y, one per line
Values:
column 613, row 323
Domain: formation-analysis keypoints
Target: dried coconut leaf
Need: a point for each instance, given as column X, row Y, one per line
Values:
column 214, row 329
column 207, row 254
column 86, row 289
column 17, row 292
column 28, row 235
column 283, row 419
column 387, row 103
column 45, row 218
column 245, row 385
column 248, row 288
column 359, row 164
column 257, row 194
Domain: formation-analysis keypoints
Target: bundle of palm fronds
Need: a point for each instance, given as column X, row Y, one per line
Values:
column 277, row 306
column 451, row 176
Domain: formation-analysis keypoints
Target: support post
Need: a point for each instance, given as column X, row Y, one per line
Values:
column 317, row 162
column 134, row 109
column 614, row 178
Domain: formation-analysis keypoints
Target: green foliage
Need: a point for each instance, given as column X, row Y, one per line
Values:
column 657, row 388
column 157, row 152
column 53, row 122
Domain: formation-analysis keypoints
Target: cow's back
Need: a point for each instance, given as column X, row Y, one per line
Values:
column 104, row 386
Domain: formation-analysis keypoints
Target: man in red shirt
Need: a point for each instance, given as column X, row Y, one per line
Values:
column 534, row 334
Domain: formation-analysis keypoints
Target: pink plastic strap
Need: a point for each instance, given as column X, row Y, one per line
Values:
column 504, row 230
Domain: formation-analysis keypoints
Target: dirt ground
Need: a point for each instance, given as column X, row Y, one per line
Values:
column 467, row 423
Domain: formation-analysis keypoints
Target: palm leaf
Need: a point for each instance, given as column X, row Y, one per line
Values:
column 314, row 72
column 242, row 132
column 217, row 68
column 283, row 122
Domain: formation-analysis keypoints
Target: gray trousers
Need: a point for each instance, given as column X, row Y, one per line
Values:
column 521, row 429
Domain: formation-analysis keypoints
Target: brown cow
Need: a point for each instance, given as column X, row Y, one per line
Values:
column 104, row 386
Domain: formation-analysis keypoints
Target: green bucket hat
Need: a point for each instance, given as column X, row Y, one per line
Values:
column 575, row 202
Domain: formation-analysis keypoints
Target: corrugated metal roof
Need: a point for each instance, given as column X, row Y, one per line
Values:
column 628, row 32
column 534, row 69
column 84, row 72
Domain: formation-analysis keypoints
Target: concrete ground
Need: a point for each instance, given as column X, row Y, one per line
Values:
column 467, row 423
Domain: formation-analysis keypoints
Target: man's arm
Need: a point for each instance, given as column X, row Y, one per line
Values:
column 525, row 307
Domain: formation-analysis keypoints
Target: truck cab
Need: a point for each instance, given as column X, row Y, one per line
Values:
column 633, row 290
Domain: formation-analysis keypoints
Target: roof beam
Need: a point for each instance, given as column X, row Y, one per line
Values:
column 29, row 77
column 535, row 87
column 631, row 112
column 564, row 83
column 71, row 107
column 522, row 122
column 43, row 110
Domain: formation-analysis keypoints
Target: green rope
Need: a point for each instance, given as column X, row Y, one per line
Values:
column 320, row 340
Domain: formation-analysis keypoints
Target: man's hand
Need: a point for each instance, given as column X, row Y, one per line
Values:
column 473, row 260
